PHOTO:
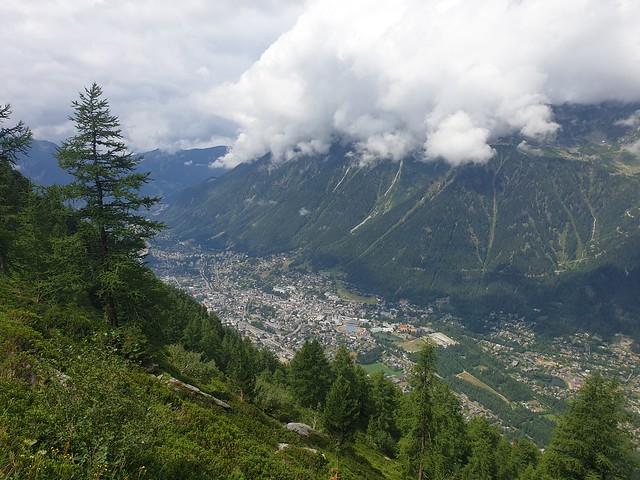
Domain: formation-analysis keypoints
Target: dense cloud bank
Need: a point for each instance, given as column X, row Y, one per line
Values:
column 438, row 77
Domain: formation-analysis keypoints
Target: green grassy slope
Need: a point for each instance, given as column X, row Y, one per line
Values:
column 79, row 401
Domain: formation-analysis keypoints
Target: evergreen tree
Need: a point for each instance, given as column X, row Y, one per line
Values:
column 343, row 405
column 419, row 437
column 13, row 140
column 484, row 441
column 449, row 444
column 106, row 191
column 382, row 428
column 310, row 375
column 363, row 395
column 525, row 455
column 341, row 409
column 242, row 367
column 590, row 441
column 14, row 188
column 49, row 255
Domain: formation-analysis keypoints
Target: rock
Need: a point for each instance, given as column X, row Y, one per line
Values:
column 63, row 378
column 193, row 389
column 300, row 428
column 282, row 446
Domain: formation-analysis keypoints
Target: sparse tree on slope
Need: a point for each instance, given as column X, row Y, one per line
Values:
column 13, row 186
column 418, row 440
column 310, row 375
column 590, row 441
column 13, row 140
column 106, row 189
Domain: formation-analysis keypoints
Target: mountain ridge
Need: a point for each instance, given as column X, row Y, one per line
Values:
column 171, row 172
column 522, row 231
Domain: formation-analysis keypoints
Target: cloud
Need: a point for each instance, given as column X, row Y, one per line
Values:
column 632, row 121
column 459, row 140
column 152, row 58
column 633, row 148
column 436, row 78
column 441, row 78
column 524, row 147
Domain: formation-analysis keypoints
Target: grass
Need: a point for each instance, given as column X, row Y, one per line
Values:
column 345, row 294
column 467, row 377
column 380, row 367
column 416, row 345
column 387, row 336
column 390, row 468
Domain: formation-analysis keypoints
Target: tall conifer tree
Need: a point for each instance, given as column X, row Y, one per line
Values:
column 106, row 189
column 13, row 186
column 310, row 375
column 590, row 440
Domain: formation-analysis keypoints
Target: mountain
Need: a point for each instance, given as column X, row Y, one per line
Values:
column 173, row 172
column 41, row 166
column 170, row 172
column 550, row 230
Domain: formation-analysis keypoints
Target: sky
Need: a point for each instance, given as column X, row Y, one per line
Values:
column 438, row 78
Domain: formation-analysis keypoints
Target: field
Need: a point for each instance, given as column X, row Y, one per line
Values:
column 379, row 367
column 345, row 294
column 467, row 377
column 388, row 337
column 416, row 345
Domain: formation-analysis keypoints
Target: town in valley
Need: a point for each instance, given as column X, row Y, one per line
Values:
column 280, row 305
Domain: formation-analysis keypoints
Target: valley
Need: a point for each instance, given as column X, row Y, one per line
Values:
column 506, row 371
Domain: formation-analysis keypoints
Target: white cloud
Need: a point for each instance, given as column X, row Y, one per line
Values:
column 152, row 59
column 524, row 147
column 459, row 141
column 444, row 77
column 633, row 148
column 632, row 121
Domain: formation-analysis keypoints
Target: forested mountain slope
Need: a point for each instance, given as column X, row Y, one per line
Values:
column 550, row 230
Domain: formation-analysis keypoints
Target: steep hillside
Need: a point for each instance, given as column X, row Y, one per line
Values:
column 164, row 395
column 550, row 230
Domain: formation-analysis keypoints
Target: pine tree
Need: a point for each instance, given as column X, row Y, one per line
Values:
column 524, row 456
column 14, row 188
column 484, row 441
column 48, row 253
column 341, row 409
column 382, row 428
column 310, row 375
column 13, row 140
column 343, row 406
column 420, row 436
column 106, row 190
column 449, row 444
column 242, row 367
column 590, row 441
